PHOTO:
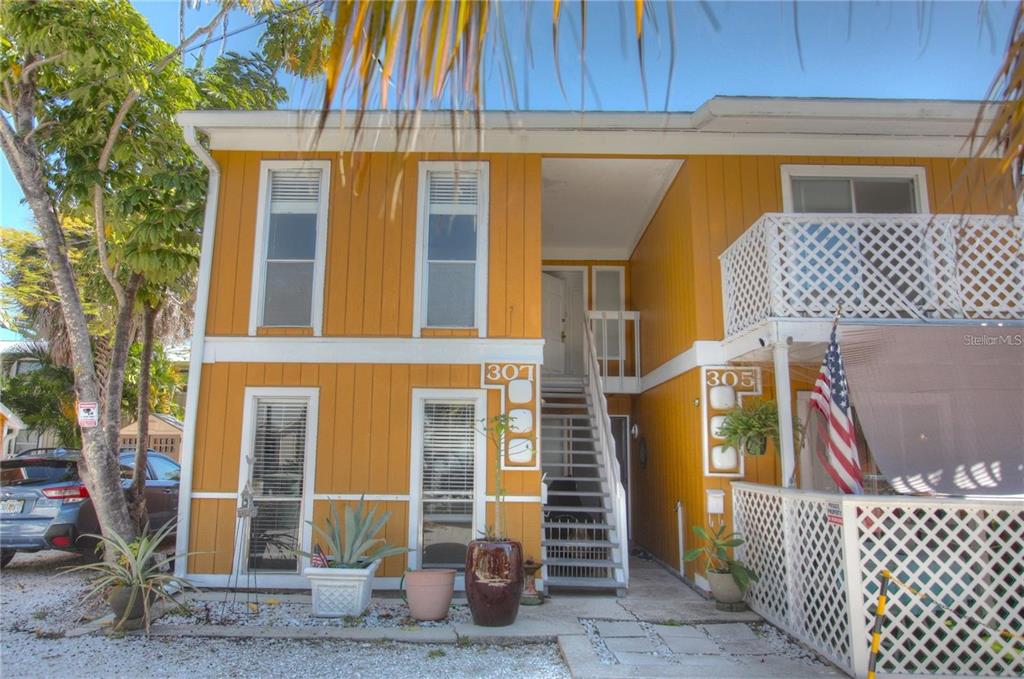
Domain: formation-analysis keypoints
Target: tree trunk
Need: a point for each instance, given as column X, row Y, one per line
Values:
column 137, row 494
column 99, row 465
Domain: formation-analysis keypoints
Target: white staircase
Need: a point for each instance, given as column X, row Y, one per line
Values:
column 584, row 541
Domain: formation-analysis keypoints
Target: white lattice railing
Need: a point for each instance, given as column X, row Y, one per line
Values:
column 617, row 343
column 819, row 556
column 916, row 267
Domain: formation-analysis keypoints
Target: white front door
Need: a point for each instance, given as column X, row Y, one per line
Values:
column 553, row 323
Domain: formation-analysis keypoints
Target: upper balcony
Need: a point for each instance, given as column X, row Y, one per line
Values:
column 874, row 268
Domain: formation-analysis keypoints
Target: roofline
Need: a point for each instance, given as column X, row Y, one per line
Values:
column 721, row 125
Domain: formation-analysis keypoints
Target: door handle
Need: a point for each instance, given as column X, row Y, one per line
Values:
column 168, row 491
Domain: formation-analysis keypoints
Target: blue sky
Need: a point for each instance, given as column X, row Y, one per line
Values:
column 941, row 50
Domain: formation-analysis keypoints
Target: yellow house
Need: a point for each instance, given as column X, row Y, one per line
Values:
column 599, row 277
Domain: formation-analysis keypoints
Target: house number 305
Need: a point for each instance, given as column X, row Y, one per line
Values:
column 509, row 372
column 730, row 379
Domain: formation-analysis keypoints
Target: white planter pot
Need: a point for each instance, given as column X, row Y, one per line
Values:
column 338, row 592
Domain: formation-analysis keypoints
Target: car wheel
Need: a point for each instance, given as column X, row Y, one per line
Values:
column 5, row 556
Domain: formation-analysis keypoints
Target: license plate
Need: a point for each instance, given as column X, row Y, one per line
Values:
column 11, row 506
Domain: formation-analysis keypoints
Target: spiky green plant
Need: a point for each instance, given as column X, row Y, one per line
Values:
column 715, row 551
column 137, row 566
column 354, row 544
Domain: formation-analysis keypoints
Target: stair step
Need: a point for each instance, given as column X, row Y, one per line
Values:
column 576, row 524
column 582, row 583
column 574, row 439
column 574, row 510
column 579, row 479
column 581, row 465
column 596, row 563
column 578, row 543
column 578, row 493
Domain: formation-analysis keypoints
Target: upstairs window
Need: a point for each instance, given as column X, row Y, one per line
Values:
column 452, row 241
column 853, row 189
column 291, row 236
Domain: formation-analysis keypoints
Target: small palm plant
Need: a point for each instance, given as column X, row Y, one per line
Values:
column 137, row 568
column 715, row 551
column 354, row 544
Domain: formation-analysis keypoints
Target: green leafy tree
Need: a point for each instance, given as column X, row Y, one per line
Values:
column 88, row 95
column 44, row 397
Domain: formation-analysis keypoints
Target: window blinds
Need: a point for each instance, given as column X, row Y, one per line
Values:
column 448, row 450
column 276, row 478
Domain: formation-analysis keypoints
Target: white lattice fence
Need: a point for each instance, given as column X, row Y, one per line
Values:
column 820, row 555
column 923, row 267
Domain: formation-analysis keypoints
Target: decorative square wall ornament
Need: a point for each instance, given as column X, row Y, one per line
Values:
column 724, row 388
column 519, row 389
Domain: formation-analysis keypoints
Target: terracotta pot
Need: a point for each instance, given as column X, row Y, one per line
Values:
column 724, row 588
column 429, row 593
column 494, row 581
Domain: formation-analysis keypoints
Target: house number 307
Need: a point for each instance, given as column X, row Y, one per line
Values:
column 509, row 372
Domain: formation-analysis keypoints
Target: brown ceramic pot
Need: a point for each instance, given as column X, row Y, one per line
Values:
column 494, row 581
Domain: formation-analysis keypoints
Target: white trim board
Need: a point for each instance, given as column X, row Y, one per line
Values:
column 483, row 211
column 401, row 350
column 199, row 310
column 256, row 295
column 722, row 125
column 703, row 352
column 917, row 173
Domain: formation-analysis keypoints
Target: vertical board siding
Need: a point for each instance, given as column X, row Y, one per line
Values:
column 363, row 443
column 370, row 271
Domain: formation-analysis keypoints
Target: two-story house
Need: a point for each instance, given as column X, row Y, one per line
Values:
column 613, row 281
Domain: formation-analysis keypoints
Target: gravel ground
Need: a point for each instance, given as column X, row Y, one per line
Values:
column 274, row 612
column 39, row 604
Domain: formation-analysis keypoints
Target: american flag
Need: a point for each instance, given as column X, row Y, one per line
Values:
column 319, row 559
column 837, row 447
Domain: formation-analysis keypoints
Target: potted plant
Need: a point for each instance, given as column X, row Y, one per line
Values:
column 134, row 577
column 729, row 578
column 343, row 587
column 428, row 592
column 750, row 427
column 494, row 563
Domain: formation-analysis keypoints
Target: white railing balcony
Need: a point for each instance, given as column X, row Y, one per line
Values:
column 617, row 346
column 911, row 267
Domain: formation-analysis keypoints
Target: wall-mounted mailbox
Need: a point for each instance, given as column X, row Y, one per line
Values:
column 716, row 501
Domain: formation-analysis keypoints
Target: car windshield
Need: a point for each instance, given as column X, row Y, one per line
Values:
column 21, row 472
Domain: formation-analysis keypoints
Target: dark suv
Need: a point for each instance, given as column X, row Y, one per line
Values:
column 45, row 505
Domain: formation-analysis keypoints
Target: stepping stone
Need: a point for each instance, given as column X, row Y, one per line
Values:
column 747, row 647
column 692, row 645
column 613, row 628
column 629, row 644
column 731, row 631
column 627, row 658
column 675, row 631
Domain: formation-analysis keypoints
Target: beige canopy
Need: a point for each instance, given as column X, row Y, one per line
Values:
column 942, row 407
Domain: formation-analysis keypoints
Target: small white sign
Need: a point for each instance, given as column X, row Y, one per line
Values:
column 88, row 414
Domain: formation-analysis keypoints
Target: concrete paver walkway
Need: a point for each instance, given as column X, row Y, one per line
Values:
column 661, row 628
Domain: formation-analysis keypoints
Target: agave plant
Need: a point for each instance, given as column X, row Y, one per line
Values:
column 138, row 567
column 355, row 546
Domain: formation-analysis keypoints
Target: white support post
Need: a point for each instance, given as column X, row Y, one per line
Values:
column 783, row 400
column 859, row 642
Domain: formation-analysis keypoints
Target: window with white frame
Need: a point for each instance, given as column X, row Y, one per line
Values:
column 452, row 240
column 291, row 238
column 275, row 466
column 609, row 285
column 853, row 189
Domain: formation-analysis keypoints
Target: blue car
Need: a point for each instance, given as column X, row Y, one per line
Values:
column 45, row 505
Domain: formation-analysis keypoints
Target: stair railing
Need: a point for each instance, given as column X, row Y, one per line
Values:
column 606, row 441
